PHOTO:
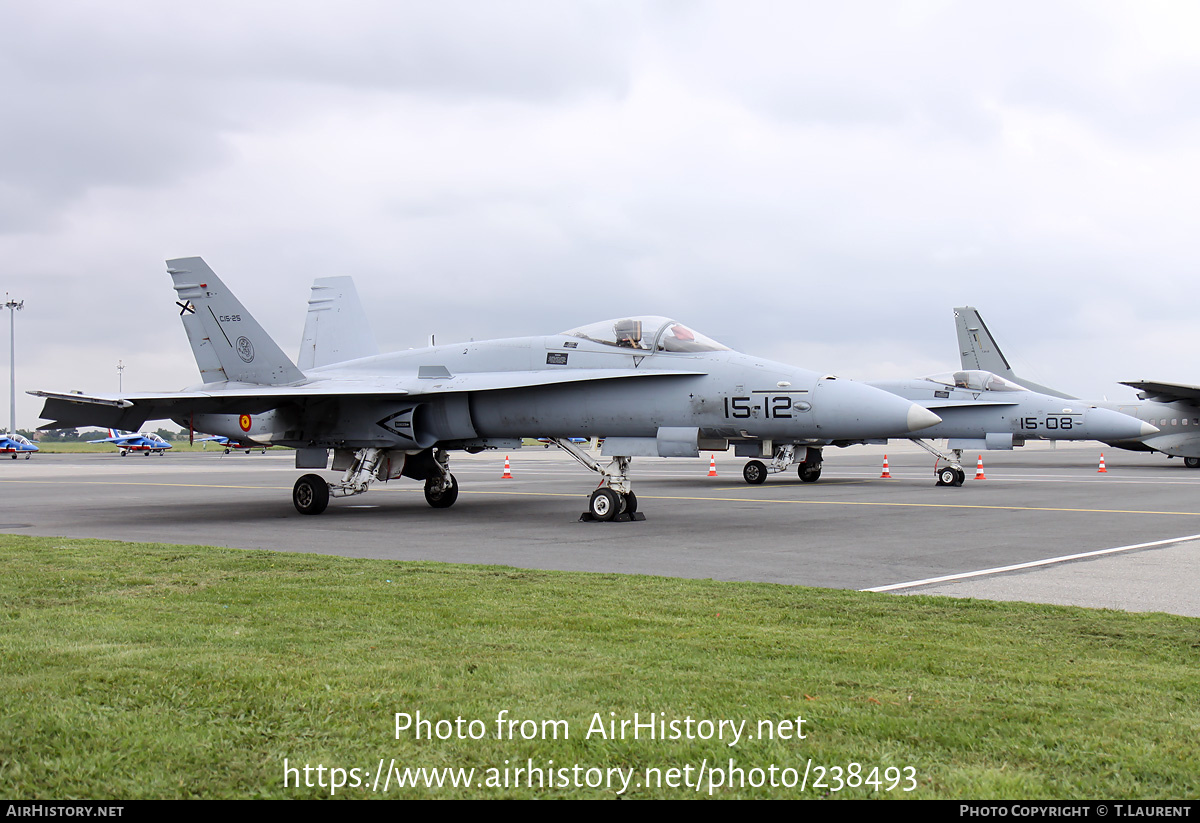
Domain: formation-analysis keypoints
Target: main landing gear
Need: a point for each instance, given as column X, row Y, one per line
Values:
column 311, row 493
column 951, row 475
column 614, row 501
column 809, row 469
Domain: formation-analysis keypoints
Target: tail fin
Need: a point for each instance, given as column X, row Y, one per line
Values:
column 978, row 350
column 227, row 341
column 336, row 328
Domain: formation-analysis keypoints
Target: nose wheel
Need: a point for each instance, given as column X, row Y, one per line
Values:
column 951, row 476
column 609, row 505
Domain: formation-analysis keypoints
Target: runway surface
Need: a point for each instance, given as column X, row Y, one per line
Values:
column 852, row 529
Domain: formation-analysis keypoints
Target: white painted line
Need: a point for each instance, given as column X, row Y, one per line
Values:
column 1048, row 562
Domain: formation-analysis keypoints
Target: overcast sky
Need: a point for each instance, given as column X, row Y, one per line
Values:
column 815, row 182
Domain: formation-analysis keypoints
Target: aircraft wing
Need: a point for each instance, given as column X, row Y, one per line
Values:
column 1166, row 392
column 131, row 411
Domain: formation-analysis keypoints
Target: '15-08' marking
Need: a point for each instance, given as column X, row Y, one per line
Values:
column 1064, row 423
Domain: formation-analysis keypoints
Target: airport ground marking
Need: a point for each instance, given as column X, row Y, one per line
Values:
column 764, row 501
column 1050, row 561
column 841, row 503
column 133, row 483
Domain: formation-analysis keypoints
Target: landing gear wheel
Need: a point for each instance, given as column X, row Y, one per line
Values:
column 809, row 472
column 310, row 495
column 630, row 503
column 441, row 498
column 605, row 504
column 947, row 477
column 15, row 456
column 960, row 477
column 755, row 473
column 1192, row 462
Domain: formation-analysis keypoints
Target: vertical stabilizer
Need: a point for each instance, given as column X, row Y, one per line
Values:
column 978, row 350
column 336, row 328
column 223, row 334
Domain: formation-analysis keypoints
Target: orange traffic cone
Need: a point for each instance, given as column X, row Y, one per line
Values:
column 1101, row 470
column 507, row 470
column 887, row 475
column 979, row 469
column 712, row 465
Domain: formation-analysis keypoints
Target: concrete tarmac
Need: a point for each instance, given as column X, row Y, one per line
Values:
column 1029, row 532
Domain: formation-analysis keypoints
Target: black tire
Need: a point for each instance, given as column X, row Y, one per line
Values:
column 809, row 472
column 755, row 473
column 604, row 504
column 948, row 477
column 310, row 495
column 1192, row 462
column 14, row 457
column 960, row 477
column 630, row 503
column 441, row 498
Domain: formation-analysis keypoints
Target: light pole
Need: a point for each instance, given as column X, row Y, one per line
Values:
column 120, row 376
column 13, row 307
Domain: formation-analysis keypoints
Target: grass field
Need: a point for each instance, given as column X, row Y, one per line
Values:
column 134, row 670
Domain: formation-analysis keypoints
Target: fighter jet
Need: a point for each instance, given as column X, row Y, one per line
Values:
column 147, row 443
column 1172, row 410
column 16, row 444
column 979, row 411
column 230, row 444
column 648, row 385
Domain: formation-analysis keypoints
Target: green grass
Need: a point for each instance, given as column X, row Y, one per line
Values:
column 134, row 670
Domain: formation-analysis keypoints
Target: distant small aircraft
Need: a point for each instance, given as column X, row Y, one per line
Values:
column 15, row 444
column 126, row 442
column 230, row 444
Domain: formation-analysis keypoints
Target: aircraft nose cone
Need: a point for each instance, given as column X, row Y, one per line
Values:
column 846, row 410
column 920, row 417
column 1106, row 424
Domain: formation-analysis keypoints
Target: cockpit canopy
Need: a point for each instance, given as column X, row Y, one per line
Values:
column 975, row 380
column 647, row 333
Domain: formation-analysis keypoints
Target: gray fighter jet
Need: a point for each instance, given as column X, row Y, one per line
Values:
column 1172, row 410
column 649, row 385
column 980, row 411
